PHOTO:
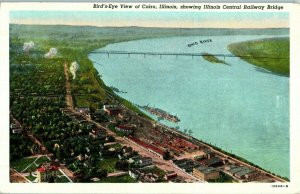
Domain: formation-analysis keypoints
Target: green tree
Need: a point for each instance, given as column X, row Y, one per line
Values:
column 122, row 165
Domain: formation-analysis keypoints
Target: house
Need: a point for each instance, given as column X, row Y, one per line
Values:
column 124, row 116
column 178, row 179
column 67, row 111
column 205, row 173
column 199, row 156
column 13, row 125
column 252, row 176
column 127, row 149
column 15, row 128
column 95, row 179
column 148, row 178
column 145, row 161
column 242, row 172
column 80, row 157
column 134, row 173
column 134, row 159
column 84, row 111
column 112, row 149
column 121, row 116
column 208, row 153
column 112, row 110
column 186, row 165
column 214, row 162
column 98, row 133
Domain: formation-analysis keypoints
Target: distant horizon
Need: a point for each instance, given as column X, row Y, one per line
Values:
column 239, row 20
column 148, row 27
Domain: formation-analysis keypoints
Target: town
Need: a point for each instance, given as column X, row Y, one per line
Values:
column 53, row 139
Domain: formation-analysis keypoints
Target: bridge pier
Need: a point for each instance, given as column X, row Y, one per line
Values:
column 176, row 56
column 144, row 55
column 107, row 55
column 128, row 54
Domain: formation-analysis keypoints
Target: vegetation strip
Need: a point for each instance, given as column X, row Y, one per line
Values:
column 270, row 54
column 213, row 59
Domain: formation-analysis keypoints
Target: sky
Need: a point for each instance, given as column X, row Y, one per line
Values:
column 154, row 19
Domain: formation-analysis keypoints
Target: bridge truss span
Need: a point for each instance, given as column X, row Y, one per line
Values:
column 145, row 53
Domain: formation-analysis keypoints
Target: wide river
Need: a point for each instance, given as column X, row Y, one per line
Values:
column 237, row 108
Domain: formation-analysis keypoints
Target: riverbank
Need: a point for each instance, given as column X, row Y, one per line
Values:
column 222, row 94
column 224, row 153
column 271, row 54
column 109, row 65
column 111, row 58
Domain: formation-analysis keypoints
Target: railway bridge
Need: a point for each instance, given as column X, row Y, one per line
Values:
column 177, row 54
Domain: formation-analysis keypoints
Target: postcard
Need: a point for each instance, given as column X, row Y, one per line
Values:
column 201, row 95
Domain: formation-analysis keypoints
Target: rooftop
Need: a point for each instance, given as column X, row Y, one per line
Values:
column 212, row 161
column 148, row 146
column 186, row 164
column 82, row 109
column 237, row 169
column 111, row 107
column 125, row 127
column 208, row 151
column 244, row 172
column 45, row 167
column 206, row 170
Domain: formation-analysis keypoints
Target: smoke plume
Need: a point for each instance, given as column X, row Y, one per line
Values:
column 73, row 68
column 27, row 46
column 52, row 53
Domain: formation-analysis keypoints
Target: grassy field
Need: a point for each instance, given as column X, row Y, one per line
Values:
column 60, row 178
column 42, row 160
column 116, row 146
column 108, row 164
column 31, row 178
column 21, row 164
column 270, row 54
column 155, row 170
column 119, row 179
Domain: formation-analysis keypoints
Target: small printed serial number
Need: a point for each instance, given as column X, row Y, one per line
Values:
column 280, row 186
